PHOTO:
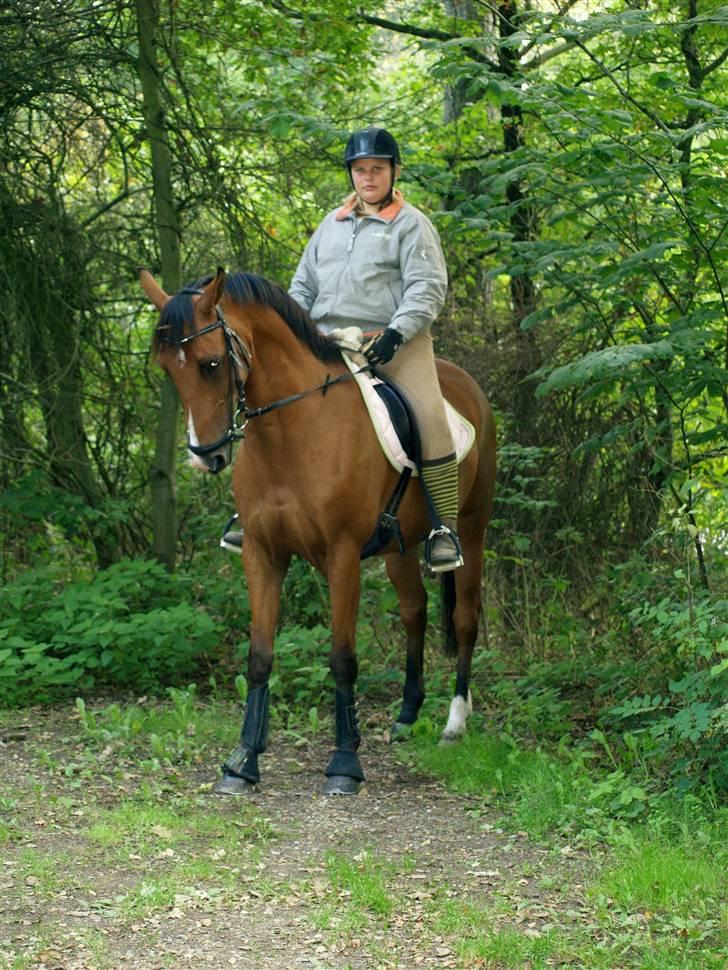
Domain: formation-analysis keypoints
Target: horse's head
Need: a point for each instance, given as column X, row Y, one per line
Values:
column 208, row 363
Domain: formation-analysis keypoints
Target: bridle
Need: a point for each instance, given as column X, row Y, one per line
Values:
column 235, row 349
column 240, row 413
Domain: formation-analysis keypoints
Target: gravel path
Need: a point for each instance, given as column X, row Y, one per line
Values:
column 397, row 876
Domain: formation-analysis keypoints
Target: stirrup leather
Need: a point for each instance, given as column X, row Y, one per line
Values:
column 455, row 562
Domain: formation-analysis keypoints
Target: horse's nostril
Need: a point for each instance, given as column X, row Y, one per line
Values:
column 216, row 463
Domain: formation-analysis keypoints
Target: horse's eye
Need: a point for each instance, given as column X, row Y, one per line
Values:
column 209, row 368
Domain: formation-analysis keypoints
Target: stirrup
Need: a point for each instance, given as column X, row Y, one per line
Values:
column 232, row 539
column 446, row 565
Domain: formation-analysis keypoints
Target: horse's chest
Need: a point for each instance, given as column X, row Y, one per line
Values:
column 275, row 510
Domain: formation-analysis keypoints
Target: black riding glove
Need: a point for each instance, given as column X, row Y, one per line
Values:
column 383, row 348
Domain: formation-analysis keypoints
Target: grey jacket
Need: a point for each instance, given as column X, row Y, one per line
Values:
column 373, row 271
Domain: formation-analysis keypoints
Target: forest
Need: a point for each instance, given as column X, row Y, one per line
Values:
column 573, row 158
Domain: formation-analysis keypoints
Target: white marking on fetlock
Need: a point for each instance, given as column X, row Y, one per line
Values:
column 460, row 711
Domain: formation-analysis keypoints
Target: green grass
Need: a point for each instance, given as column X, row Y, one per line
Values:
column 542, row 793
column 97, row 945
column 507, row 948
column 677, row 890
column 144, row 828
column 9, row 832
column 150, row 896
column 43, row 873
column 181, row 731
column 658, row 888
column 359, row 897
column 195, row 849
column 478, row 937
column 140, row 829
column 362, row 882
column 675, row 879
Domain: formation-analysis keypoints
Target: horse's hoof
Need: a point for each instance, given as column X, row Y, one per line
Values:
column 232, row 785
column 400, row 732
column 341, row 785
column 448, row 739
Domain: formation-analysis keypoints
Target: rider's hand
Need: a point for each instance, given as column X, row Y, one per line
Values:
column 382, row 349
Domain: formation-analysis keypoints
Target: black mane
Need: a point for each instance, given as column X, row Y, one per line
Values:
column 175, row 321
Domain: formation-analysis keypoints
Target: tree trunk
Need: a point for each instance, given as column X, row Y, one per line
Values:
column 523, row 227
column 162, row 472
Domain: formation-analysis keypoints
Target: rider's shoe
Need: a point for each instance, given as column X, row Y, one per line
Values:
column 232, row 539
column 443, row 551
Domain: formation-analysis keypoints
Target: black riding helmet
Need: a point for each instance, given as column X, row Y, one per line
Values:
column 371, row 143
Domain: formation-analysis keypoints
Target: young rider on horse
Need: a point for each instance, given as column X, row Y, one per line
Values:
column 376, row 263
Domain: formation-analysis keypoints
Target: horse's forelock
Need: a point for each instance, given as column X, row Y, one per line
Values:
column 176, row 320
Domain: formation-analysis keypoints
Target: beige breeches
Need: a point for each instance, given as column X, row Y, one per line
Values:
column 413, row 369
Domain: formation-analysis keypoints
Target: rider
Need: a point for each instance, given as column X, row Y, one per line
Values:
column 376, row 263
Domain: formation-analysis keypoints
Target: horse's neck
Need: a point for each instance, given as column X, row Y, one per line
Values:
column 282, row 364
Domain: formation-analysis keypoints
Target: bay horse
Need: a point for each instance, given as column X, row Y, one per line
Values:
column 311, row 479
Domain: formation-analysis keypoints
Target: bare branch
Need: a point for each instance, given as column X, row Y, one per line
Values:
column 715, row 64
column 125, row 194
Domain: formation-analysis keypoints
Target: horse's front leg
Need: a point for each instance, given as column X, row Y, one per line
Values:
column 264, row 577
column 344, row 774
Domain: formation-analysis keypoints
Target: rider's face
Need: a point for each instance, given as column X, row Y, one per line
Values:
column 372, row 178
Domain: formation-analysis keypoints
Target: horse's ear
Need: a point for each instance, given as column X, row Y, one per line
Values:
column 154, row 291
column 213, row 291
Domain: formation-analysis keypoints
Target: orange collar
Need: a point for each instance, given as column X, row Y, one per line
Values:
column 387, row 213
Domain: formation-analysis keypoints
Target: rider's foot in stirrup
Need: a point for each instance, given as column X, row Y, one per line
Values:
column 232, row 539
column 443, row 550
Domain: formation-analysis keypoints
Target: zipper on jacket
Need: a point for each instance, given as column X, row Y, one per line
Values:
column 358, row 223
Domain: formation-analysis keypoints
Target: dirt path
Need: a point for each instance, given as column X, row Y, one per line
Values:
column 144, row 869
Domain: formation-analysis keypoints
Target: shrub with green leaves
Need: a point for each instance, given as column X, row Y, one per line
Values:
column 679, row 714
column 130, row 626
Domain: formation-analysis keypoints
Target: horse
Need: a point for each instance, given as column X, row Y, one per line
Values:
column 310, row 479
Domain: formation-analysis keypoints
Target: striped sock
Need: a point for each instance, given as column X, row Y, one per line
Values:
column 441, row 478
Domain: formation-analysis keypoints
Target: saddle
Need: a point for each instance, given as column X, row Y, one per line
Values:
column 396, row 427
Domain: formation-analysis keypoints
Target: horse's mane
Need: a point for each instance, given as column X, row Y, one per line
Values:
column 175, row 321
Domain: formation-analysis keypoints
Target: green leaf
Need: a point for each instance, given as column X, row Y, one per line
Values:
column 612, row 362
column 545, row 313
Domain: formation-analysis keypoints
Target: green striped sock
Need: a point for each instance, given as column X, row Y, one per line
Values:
column 441, row 478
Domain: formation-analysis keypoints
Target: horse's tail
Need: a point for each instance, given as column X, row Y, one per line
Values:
column 448, row 599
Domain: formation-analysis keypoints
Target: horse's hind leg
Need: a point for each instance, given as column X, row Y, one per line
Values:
column 464, row 583
column 404, row 574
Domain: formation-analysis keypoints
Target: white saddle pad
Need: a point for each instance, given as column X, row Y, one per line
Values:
column 462, row 431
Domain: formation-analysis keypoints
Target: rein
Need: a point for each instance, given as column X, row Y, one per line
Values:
column 329, row 382
column 233, row 342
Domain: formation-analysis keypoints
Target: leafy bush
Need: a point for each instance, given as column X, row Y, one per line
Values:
column 301, row 684
column 128, row 626
column 684, row 725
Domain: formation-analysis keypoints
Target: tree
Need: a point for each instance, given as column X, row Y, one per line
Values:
column 162, row 472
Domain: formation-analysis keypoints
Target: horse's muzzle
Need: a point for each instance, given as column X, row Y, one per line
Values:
column 213, row 461
column 216, row 463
